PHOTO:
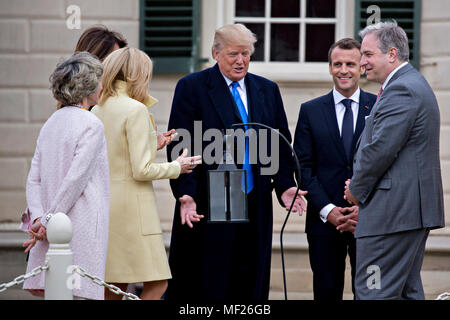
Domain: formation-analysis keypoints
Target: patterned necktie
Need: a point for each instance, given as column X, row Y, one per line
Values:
column 379, row 93
column 347, row 127
column 243, row 113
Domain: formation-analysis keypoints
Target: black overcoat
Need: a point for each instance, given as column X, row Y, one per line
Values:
column 217, row 262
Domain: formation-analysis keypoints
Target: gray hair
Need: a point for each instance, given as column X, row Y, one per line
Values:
column 234, row 34
column 390, row 35
column 76, row 78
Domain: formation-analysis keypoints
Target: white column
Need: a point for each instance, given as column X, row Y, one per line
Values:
column 59, row 258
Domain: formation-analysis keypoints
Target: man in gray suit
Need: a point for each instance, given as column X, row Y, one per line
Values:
column 396, row 177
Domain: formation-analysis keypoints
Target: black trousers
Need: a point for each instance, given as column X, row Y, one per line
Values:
column 327, row 255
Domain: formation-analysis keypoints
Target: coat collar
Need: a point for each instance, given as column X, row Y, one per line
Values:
column 408, row 67
column 224, row 104
column 256, row 99
column 121, row 88
column 329, row 113
column 403, row 70
column 363, row 112
column 221, row 97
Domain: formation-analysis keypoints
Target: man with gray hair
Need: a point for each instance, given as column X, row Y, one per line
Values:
column 216, row 261
column 396, row 177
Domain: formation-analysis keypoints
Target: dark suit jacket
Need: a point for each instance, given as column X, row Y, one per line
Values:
column 324, row 166
column 205, row 260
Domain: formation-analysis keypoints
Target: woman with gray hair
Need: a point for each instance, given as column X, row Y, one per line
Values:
column 69, row 173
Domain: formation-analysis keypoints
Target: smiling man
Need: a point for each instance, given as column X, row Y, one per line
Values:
column 397, row 173
column 327, row 130
column 216, row 261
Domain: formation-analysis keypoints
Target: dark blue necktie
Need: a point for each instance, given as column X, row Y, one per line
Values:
column 243, row 113
column 347, row 128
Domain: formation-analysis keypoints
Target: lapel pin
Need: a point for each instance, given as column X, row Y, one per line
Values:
column 367, row 107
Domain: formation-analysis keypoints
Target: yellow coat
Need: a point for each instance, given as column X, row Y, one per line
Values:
column 136, row 250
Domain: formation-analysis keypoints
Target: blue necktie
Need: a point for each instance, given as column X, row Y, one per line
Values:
column 347, row 128
column 246, row 166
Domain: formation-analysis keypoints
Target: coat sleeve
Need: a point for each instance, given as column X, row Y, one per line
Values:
column 392, row 124
column 142, row 149
column 284, row 178
column 304, row 148
column 182, row 117
column 33, row 189
column 80, row 171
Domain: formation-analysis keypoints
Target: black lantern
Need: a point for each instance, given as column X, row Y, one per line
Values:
column 227, row 196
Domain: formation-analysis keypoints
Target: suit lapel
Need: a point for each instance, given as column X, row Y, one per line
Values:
column 399, row 73
column 329, row 113
column 408, row 67
column 363, row 112
column 221, row 97
column 255, row 100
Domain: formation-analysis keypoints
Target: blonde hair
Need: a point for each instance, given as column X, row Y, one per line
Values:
column 130, row 65
column 234, row 34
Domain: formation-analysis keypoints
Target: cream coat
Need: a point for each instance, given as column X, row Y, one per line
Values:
column 136, row 250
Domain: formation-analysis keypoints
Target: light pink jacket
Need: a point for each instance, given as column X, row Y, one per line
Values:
column 69, row 173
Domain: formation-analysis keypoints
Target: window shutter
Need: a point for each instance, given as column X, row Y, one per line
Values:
column 407, row 15
column 169, row 34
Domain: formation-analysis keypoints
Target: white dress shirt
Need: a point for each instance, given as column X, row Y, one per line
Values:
column 240, row 88
column 340, row 110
